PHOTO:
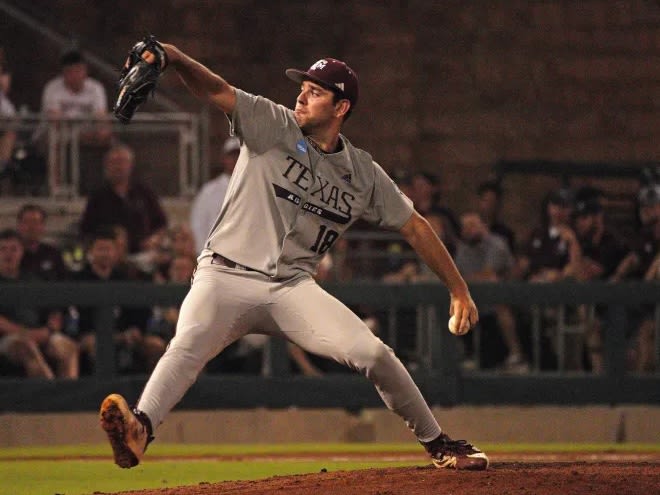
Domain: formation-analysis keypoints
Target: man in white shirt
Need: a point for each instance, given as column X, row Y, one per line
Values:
column 208, row 201
column 73, row 94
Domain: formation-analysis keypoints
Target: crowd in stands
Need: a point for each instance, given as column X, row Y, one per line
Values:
column 125, row 235
column 573, row 240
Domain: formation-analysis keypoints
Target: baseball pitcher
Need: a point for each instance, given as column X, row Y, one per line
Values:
column 297, row 186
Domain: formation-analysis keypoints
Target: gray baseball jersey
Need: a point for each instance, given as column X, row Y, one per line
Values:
column 287, row 203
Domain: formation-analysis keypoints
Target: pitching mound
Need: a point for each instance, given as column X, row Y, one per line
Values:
column 558, row 477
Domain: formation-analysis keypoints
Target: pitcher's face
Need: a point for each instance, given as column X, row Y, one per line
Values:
column 315, row 106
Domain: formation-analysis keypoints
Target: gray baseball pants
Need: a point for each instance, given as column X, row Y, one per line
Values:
column 224, row 304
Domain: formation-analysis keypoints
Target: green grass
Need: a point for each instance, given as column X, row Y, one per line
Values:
column 161, row 449
column 86, row 477
column 85, row 469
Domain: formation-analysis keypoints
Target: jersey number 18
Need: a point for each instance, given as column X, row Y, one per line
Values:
column 324, row 240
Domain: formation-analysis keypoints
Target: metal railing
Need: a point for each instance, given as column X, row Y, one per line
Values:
column 428, row 302
column 59, row 141
column 440, row 376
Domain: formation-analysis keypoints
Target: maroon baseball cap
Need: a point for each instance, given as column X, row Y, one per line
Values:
column 332, row 74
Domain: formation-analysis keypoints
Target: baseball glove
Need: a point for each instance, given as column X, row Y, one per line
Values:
column 145, row 63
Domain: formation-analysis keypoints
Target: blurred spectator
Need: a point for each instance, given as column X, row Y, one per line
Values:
column 552, row 254
column 207, row 203
column 426, row 198
column 401, row 261
column 25, row 343
column 645, row 246
column 489, row 203
column 642, row 263
column 648, row 210
column 370, row 253
column 602, row 251
column 129, row 323
column 73, row 94
column 482, row 256
column 423, row 190
column 645, row 359
column 125, row 264
column 183, row 241
column 175, row 242
column 411, row 271
column 552, row 251
column 417, row 271
column 642, row 354
column 125, row 201
column 40, row 258
column 441, row 224
column 181, row 269
column 162, row 324
column 7, row 110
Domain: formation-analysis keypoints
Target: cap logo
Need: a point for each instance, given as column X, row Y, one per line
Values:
column 340, row 86
column 320, row 65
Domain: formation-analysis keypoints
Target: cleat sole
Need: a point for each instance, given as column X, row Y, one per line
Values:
column 113, row 422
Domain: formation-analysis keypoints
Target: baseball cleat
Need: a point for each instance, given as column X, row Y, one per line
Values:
column 128, row 430
column 456, row 454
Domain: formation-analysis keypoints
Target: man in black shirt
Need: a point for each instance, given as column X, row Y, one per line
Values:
column 39, row 258
column 24, row 342
column 122, row 200
column 129, row 323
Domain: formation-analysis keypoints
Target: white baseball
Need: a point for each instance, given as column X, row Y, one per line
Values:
column 453, row 326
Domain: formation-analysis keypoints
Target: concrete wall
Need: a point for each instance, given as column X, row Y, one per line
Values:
column 478, row 424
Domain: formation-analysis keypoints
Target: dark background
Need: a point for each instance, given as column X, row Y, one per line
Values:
column 449, row 87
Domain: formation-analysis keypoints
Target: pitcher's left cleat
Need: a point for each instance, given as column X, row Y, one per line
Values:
column 456, row 454
column 128, row 430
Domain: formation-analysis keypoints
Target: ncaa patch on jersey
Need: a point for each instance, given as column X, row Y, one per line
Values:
column 301, row 146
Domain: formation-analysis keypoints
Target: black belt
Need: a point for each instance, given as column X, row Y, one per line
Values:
column 218, row 259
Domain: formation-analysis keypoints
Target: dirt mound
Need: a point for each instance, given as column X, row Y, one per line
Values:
column 515, row 478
